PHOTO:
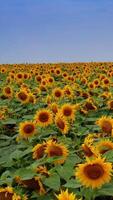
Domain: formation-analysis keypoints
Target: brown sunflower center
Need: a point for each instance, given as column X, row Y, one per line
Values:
column 22, row 96
column 57, row 93
column 61, row 124
column 89, row 106
column 6, row 196
column 28, row 128
column 8, row 90
column 43, row 117
column 55, row 151
column 107, row 127
column 94, row 171
column 67, row 111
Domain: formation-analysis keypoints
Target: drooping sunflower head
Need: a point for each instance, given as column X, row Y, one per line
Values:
column 56, row 149
column 8, row 194
column 62, row 123
column 34, row 183
column 27, row 129
column 44, row 117
column 65, row 195
column 106, row 124
column 94, row 173
column 89, row 105
column 39, row 150
column 54, row 107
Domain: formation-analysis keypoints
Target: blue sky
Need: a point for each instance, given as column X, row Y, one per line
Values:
column 56, row 30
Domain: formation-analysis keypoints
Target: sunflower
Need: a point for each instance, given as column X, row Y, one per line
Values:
column 54, row 107
column 32, row 98
column 44, row 117
column 110, row 104
column 106, row 124
column 7, row 91
column 39, row 150
column 94, row 173
column 104, row 146
column 34, row 183
column 8, row 194
column 68, row 110
column 89, row 150
column 65, row 195
column 56, row 149
column 62, row 123
column 27, row 129
column 68, row 91
column 22, row 96
column 57, row 93
column 89, row 105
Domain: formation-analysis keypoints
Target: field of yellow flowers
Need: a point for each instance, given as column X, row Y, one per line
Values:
column 56, row 131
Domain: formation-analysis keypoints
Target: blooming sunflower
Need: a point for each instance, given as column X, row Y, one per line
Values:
column 57, row 93
column 54, row 107
column 104, row 146
column 22, row 96
column 39, row 150
column 106, row 124
column 8, row 194
column 68, row 110
column 27, row 129
column 94, row 173
column 44, row 117
column 65, row 195
column 7, row 91
column 61, row 123
column 56, row 149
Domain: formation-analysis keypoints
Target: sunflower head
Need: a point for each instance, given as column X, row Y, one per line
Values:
column 104, row 146
column 94, row 173
column 62, row 123
column 8, row 194
column 65, row 195
column 39, row 150
column 27, row 129
column 22, row 96
column 68, row 111
column 44, row 117
column 106, row 124
column 55, row 149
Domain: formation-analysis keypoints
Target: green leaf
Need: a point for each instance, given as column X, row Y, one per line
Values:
column 53, row 182
column 25, row 173
column 72, row 184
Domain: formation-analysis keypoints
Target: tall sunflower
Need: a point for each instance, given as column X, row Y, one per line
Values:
column 44, row 117
column 56, row 149
column 27, row 129
column 94, row 173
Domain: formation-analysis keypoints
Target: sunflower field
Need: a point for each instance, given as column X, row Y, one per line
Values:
column 56, row 131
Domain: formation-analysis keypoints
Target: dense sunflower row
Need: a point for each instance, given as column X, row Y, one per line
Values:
column 56, row 131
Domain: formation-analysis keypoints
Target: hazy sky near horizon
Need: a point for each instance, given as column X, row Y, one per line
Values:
column 56, row 30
